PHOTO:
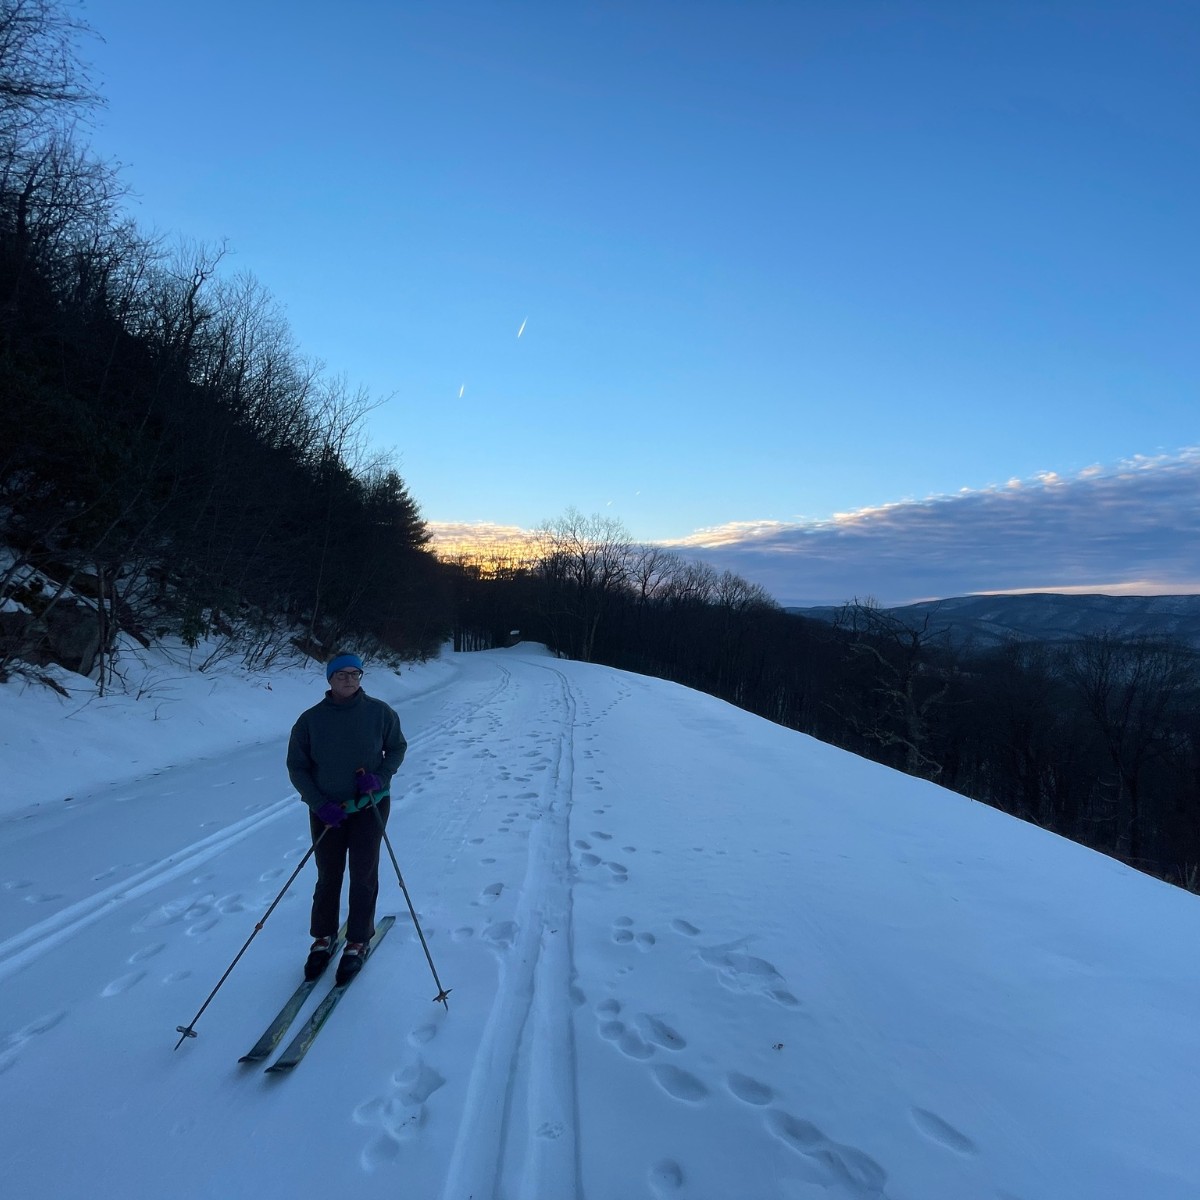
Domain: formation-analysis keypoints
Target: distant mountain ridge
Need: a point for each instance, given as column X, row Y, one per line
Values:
column 1047, row 616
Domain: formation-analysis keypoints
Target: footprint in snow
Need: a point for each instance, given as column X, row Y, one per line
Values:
column 680, row 1084
column 741, row 972
column 942, row 1132
column 747, row 1090
column 666, row 1177
column 502, row 934
column 832, row 1164
column 146, row 952
column 398, row 1115
column 123, row 984
column 11, row 1045
column 167, row 914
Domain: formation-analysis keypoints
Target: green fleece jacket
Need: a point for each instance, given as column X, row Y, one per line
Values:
column 330, row 741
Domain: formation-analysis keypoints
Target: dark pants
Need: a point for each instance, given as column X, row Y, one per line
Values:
column 357, row 840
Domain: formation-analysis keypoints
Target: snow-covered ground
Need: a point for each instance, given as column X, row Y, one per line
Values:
column 693, row 955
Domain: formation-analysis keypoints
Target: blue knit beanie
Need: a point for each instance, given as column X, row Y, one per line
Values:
column 341, row 663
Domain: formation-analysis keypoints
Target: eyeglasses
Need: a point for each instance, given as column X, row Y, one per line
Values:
column 347, row 676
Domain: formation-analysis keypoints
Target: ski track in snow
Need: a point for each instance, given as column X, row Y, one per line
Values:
column 39, row 939
column 518, row 1129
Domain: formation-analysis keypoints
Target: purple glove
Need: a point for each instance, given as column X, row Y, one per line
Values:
column 366, row 782
column 331, row 814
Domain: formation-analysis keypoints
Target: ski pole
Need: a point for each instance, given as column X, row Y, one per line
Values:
column 443, row 993
column 189, row 1030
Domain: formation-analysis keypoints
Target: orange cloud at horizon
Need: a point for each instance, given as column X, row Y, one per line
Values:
column 482, row 543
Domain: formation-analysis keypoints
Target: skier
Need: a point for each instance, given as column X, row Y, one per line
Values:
column 341, row 757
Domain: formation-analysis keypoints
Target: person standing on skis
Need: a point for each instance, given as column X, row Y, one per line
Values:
column 341, row 757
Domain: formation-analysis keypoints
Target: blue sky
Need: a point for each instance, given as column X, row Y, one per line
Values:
column 777, row 263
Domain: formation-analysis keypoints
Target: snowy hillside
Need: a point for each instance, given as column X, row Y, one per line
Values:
column 694, row 956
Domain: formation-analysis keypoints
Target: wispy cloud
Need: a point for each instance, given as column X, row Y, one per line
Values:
column 1132, row 527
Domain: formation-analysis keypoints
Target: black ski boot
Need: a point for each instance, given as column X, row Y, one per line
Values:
column 318, row 957
column 351, row 961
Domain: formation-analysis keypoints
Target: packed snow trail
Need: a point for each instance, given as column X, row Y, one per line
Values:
column 693, row 956
column 523, row 1079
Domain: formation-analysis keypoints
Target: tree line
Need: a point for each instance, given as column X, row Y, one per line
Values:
column 1096, row 739
column 164, row 445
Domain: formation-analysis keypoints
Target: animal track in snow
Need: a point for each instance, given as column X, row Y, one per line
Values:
column 623, row 934
column 684, row 927
column 639, row 1037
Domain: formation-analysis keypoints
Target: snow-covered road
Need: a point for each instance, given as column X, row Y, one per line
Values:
column 692, row 955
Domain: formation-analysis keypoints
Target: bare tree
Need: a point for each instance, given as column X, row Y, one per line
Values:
column 584, row 562
column 904, row 690
column 41, row 73
column 1136, row 692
